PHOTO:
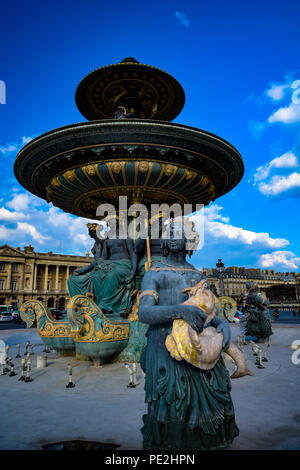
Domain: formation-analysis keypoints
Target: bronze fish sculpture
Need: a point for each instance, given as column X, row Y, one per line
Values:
column 202, row 349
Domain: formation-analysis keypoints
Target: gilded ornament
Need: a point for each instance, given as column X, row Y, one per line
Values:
column 92, row 226
column 143, row 166
column 84, row 314
column 116, row 167
column 46, row 325
column 150, row 292
column 69, row 175
column 170, row 170
column 189, row 174
column 90, row 170
column 133, row 316
column 55, row 181
column 90, row 203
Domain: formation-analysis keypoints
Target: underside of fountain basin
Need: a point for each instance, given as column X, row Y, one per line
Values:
column 80, row 166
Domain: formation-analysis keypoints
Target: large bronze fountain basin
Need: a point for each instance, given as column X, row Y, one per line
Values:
column 80, row 166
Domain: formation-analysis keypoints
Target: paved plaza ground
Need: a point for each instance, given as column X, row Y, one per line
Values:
column 101, row 408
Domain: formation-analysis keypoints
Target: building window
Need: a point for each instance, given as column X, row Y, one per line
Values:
column 2, row 266
column 48, row 285
column 38, row 284
column 15, row 267
column 1, row 284
column 14, row 284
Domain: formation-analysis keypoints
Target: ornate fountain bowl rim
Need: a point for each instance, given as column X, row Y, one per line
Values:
column 97, row 94
column 170, row 148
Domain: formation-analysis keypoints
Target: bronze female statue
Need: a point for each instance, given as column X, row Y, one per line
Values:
column 188, row 408
column 109, row 277
column 114, row 276
column 257, row 314
column 81, row 281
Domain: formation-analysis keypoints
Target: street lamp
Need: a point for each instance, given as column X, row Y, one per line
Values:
column 221, row 271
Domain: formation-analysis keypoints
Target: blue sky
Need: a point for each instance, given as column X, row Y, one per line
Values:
column 237, row 62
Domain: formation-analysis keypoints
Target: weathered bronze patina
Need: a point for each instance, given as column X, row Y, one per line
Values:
column 128, row 147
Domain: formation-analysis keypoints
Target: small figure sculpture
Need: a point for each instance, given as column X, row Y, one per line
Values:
column 257, row 314
column 188, row 408
column 124, row 113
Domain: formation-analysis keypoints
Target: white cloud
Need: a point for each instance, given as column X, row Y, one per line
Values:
column 240, row 235
column 8, row 149
column 20, row 234
column 262, row 172
column 20, row 202
column 280, row 184
column 276, row 92
column 212, row 213
column 182, row 18
column 32, row 231
column 9, row 216
column 75, row 227
column 235, row 245
column 224, row 231
column 287, row 160
column 25, row 140
column 43, row 223
column 282, row 259
column 48, row 225
column 14, row 147
column 6, row 234
column 288, row 114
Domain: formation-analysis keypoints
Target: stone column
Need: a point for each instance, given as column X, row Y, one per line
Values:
column 35, row 268
column 9, row 276
column 46, row 278
column 56, row 277
column 67, row 276
column 221, row 284
column 22, row 286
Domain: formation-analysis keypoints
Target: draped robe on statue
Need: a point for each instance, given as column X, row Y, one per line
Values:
column 188, row 408
column 109, row 279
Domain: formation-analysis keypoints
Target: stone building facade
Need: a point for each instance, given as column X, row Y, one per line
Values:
column 26, row 274
column 278, row 286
